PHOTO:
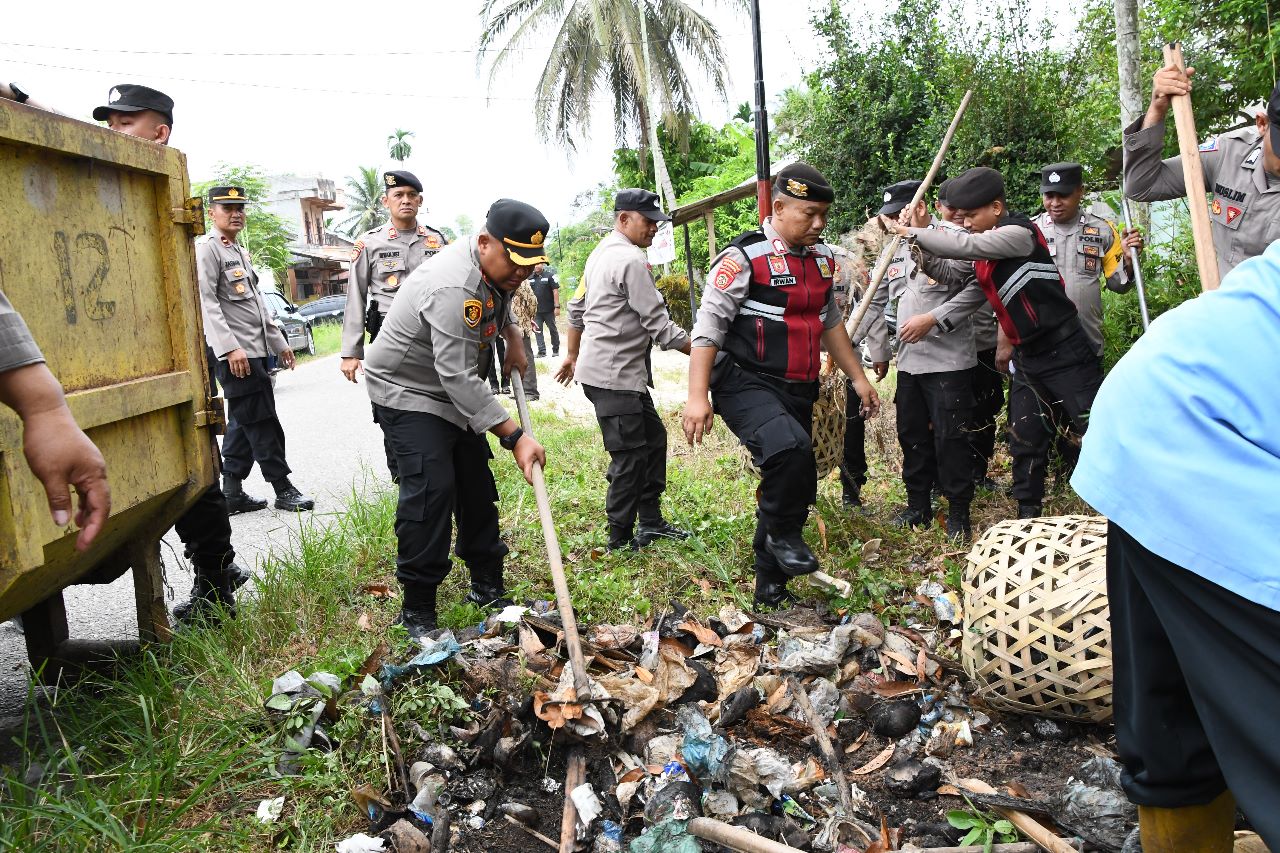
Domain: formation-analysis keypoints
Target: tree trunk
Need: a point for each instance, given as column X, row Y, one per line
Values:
column 1128, row 56
column 663, row 179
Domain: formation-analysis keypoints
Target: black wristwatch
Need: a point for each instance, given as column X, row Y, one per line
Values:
column 509, row 442
column 18, row 95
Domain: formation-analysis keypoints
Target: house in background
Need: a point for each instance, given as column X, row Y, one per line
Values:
column 321, row 258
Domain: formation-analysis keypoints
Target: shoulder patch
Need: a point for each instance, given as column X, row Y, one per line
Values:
column 472, row 309
column 357, row 249
column 1210, row 144
column 726, row 273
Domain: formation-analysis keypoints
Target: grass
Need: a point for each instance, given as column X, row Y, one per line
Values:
column 328, row 338
column 172, row 751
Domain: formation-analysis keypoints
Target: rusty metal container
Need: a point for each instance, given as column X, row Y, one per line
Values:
column 96, row 253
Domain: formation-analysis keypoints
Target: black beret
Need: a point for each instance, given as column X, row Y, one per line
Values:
column 974, row 188
column 802, row 181
column 130, row 98
column 401, row 179
column 1061, row 177
column 943, row 188
column 898, row 196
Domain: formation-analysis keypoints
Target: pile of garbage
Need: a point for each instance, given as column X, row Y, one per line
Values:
column 817, row 730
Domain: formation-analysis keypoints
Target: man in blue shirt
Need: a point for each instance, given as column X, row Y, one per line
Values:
column 1183, row 457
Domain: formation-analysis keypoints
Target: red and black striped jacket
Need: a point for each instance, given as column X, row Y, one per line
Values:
column 1028, row 294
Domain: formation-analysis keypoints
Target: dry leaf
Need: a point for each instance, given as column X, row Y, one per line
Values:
column 857, row 743
column 634, row 775
column 555, row 714
column 779, row 700
column 644, row 675
column 822, row 532
column 1017, row 789
column 614, row 636
column 893, row 689
column 702, row 632
column 704, row 585
column 671, row 643
column 374, row 660
column 363, row 623
column 377, row 590
column 876, row 763
column 949, row 791
column 870, row 550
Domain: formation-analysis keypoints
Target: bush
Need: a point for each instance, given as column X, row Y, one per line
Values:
column 675, row 290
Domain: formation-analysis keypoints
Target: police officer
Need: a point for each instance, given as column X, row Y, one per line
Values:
column 547, row 289
column 766, row 312
column 615, row 317
column 423, row 374
column 380, row 262
column 1241, row 170
column 239, row 329
column 1006, row 255
column 58, row 452
column 934, row 398
column 205, row 528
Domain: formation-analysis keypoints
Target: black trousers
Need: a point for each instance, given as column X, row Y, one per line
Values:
column 636, row 440
column 254, row 433
column 444, row 474
column 988, row 400
column 934, row 411
column 1051, row 389
column 494, row 374
column 387, row 449
column 853, row 464
column 205, row 530
column 1194, row 666
column 773, row 418
column 548, row 319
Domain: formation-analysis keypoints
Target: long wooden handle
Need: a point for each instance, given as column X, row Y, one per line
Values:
column 735, row 836
column 852, row 325
column 1193, row 177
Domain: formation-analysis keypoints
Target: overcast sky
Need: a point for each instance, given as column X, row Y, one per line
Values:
column 320, row 92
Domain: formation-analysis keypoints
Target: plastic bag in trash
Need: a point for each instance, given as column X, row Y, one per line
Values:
column 610, row 838
column 703, row 750
column 1096, row 802
column 433, row 652
column 666, row 837
column 361, row 843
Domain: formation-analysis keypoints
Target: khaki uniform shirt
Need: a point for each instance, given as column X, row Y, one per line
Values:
column 437, row 340
column 719, row 306
column 380, row 262
column 949, row 344
column 983, row 320
column 621, row 314
column 1244, row 211
column 235, row 315
column 17, row 347
column 1087, row 251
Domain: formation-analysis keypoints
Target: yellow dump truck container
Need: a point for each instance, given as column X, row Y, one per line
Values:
column 96, row 253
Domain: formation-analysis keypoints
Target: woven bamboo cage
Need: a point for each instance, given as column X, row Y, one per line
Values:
column 1036, row 636
column 828, row 426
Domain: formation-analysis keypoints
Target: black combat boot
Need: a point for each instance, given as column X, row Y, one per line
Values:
column 212, row 595
column 851, row 496
column 238, row 500
column 771, row 589
column 791, row 553
column 487, row 589
column 418, row 612
column 289, row 499
column 621, row 540
column 959, row 529
column 648, row 532
column 1028, row 510
column 919, row 512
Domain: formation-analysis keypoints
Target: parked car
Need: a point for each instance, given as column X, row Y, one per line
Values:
column 295, row 327
column 326, row 309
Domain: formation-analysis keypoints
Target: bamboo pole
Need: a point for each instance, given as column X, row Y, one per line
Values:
column 1026, row 824
column 1193, row 176
column 823, row 742
column 886, row 256
column 735, row 837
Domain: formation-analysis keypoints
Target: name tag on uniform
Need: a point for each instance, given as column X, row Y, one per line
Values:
column 781, row 280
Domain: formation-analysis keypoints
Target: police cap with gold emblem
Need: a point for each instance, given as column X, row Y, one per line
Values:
column 522, row 229
column 897, row 196
column 228, row 195
column 129, row 98
column 401, row 179
column 974, row 188
column 802, row 181
column 1061, row 178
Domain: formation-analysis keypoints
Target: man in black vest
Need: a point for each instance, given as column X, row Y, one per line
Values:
column 767, row 311
column 1040, row 329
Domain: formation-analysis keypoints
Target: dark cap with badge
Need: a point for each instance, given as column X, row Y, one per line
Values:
column 802, row 181
column 898, row 196
column 227, row 195
column 129, row 98
column 641, row 201
column 974, row 188
column 1061, row 178
column 1273, row 119
column 401, row 179
column 522, row 229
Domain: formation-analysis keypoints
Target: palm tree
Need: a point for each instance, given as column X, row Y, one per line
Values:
column 364, row 203
column 634, row 52
column 399, row 146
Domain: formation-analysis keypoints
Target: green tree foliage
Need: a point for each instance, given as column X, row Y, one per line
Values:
column 398, row 145
column 364, row 202
column 570, row 245
column 266, row 236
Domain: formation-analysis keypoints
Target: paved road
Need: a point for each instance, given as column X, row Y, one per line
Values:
column 325, row 418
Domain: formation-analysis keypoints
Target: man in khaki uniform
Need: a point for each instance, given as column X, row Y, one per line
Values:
column 239, row 330
column 380, row 262
column 615, row 317
column 423, row 375
column 1241, row 170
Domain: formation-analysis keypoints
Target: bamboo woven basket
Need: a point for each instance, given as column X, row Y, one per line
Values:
column 828, row 426
column 1036, row 633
